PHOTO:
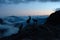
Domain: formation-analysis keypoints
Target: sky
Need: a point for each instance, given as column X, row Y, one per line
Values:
column 28, row 7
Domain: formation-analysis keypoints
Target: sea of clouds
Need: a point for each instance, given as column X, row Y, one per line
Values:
column 10, row 26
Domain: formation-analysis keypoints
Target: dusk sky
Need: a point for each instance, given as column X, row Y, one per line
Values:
column 28, row 7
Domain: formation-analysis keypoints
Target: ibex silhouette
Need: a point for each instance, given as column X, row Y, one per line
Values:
column 28, row 21
column 1, row 21
column 35, row 20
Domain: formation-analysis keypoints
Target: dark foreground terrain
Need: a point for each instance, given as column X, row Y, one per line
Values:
column 50, row 30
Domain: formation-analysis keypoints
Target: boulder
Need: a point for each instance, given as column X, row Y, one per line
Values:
column 53, row 19
column 53, row 23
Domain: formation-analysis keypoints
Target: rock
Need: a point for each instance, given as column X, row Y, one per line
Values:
column 53, row 23
column 53, row 19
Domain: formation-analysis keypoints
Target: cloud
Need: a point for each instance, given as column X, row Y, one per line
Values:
column 31, row 0
column 10, row 1
column 2, row 1
column 57, row 9
column 54, row 0
column 24, row 1
column 43, row 0
column 49, row 0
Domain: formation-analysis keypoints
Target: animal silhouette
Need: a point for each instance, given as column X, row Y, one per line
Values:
column 1, row 21
column 28, row 21
column 35, row 20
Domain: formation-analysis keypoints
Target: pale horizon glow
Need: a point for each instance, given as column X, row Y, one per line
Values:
column 26, row 12
column 36, row 12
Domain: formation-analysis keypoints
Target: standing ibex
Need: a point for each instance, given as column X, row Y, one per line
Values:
column 35, row 20
column 1, row 21
column 28, row 21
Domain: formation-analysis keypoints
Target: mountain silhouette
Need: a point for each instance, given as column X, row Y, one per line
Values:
column 53, row 19
column 53, row 23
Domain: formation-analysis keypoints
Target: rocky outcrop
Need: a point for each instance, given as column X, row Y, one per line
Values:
column 53, row 23
column 54, row 19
